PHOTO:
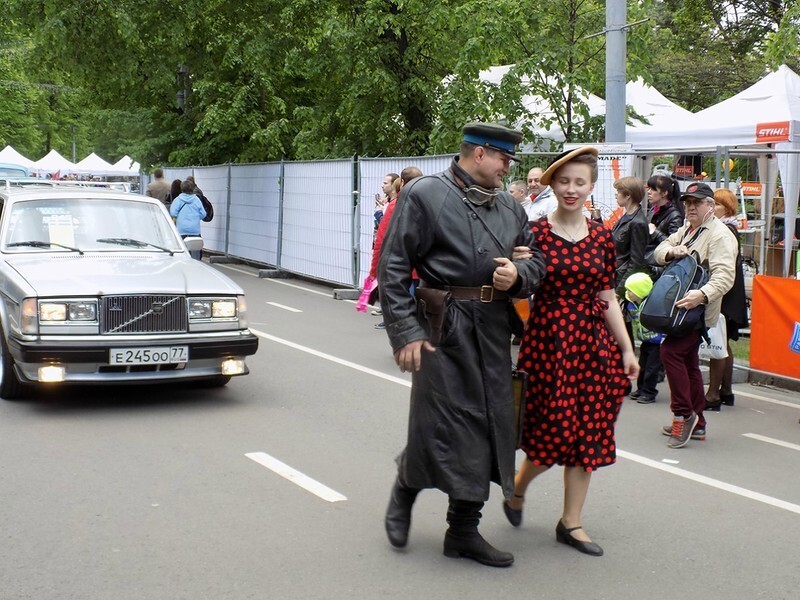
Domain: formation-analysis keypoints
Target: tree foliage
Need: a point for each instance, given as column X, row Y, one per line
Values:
column 211, row 81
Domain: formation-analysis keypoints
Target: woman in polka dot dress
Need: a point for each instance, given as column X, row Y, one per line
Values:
column 575, row 349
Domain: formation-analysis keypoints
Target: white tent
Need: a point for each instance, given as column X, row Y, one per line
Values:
column 126, row 166
column 94, row 165
column 9, row 155
column 53, row 162
column 764, row 116
column 651, row 104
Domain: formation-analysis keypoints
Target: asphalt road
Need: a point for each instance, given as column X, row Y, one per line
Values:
column 275, row 487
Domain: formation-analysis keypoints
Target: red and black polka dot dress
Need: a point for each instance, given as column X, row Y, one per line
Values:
column 577, row 381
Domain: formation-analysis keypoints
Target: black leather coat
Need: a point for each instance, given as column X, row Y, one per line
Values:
column 631, row 234
column 667, row 221
column 461, row 418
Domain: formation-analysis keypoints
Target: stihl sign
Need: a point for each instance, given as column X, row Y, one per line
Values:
column 751, row 188
column 772, row 132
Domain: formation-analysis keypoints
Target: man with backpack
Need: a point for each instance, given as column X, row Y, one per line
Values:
column 715, row 248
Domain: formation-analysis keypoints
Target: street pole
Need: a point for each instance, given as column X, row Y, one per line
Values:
column 73, row 144
column 616, row 52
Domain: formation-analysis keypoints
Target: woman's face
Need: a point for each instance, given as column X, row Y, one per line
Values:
column 720, row 210
column 656, row 197
column 623, row 199
column 572, row 184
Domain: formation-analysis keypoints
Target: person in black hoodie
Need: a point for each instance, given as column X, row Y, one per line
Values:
column 663, row 213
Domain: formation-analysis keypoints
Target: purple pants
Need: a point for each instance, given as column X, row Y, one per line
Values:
column 679, row 355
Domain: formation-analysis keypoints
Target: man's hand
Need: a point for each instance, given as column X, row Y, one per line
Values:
column 690, row 300
column 678, row 252
column 521, row 253
column 504, row 275
column 409, row 357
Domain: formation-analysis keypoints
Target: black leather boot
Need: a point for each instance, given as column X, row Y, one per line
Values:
column 398, row 513
column 462, row 539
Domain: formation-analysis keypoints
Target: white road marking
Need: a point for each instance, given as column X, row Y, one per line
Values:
column 715, row 483
column 284, row 307
column 296, row 477
column 770, row 440
column 765, row 399
column 334, row 359
column 721, row 485
column 669, row 461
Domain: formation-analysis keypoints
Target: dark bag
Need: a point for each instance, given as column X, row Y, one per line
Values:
column 209, row 208
column 519, row 387
column 658, row 312
column 433, row 304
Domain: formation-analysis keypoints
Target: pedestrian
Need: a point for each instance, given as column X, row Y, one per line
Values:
column 715, row 246
column 663, row 214
column 734, row 307
column 381, row 200
column 458, row 229
column 159, row 187
column 637, row 288
column 542, row 200
column 174, row 192
column 188, row 212
column 575, row 350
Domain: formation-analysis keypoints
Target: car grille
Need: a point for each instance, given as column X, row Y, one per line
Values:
column 144, row 314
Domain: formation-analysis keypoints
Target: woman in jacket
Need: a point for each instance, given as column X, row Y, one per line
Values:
column 631, row 232
column 188, row 212
column 663, row 213
column 734, row 307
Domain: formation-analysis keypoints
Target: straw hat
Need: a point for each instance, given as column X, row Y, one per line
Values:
column 564, row 158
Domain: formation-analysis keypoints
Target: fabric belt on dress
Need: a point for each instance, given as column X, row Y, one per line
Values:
column 483, row 293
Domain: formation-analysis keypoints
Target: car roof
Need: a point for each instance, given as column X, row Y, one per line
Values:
column 14, row 194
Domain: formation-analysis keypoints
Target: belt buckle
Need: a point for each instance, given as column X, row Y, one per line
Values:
column 484, row 290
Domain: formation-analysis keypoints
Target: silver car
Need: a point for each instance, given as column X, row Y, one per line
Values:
column 98, row 287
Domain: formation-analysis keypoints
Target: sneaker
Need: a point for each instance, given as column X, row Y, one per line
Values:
column 376, row 312
column 682, row 431
column 699, row 433
column 645, row 399
column 380, row 325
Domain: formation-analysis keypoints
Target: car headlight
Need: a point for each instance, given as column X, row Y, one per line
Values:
column 209, row 308
column 67, row 311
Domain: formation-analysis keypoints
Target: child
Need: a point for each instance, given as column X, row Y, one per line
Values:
column 637, row 288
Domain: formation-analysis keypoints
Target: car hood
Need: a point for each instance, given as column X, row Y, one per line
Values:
column 119, row 274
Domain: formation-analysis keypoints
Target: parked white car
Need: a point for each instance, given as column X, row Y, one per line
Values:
column 98, row 287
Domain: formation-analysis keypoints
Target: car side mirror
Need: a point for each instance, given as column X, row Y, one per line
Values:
column 193, row 244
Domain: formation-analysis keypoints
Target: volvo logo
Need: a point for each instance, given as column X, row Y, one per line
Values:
column 157, row 308
column 115, row 308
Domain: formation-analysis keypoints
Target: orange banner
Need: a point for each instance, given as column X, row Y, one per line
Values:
column 751, row 188
column 772, row 132
column 775, row 326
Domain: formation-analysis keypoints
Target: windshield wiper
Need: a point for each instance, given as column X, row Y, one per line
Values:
column 134, row 243
column 41, row 244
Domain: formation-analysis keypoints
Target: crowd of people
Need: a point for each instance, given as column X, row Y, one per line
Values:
column 453, row 249
column 186, row 204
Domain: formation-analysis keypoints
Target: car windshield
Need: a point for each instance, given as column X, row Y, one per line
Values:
column 88, row 224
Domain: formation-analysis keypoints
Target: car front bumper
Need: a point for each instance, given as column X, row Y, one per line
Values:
column 85, row 359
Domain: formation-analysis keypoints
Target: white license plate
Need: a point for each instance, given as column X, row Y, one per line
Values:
column 158, row 355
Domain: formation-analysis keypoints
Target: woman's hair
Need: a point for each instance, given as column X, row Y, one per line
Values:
column 187, row 187
column 582, row 159
column 175, row 188
column 631, row 187
column 727, row 198
column 666, row 184
column 396, row 185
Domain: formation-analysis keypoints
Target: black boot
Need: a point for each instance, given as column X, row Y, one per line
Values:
column 398, row 513
column 462, row 539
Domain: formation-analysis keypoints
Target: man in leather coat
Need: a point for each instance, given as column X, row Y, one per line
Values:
column 458, row 229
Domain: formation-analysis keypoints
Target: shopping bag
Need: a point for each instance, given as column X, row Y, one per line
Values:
column 717, row 345
column 370, row 285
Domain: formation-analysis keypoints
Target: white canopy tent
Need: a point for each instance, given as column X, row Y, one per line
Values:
column 94, row 165
column 9, row 155
column 764, row 116
column 53, row 162
column 651, row 104
column 126, row 166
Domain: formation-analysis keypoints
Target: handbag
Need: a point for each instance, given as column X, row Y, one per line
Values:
column 716, row 347
column 370, row 285
column 519, row 388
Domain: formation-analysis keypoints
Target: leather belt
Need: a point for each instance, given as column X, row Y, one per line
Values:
column 483, row 293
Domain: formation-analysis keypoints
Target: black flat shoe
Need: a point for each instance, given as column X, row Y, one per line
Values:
column 713, row 406
column 564, row 536
column 472, row 545
column 514, row 516
column 727, row 399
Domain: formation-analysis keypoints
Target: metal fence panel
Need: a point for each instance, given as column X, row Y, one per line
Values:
column 317, row 237
column 213, row 181
column 371, row 174
column 254, row 212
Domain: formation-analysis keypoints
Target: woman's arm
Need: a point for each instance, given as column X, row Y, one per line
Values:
column 616, row 324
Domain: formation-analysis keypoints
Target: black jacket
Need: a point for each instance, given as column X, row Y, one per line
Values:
column 631, row 234
column 667, row 221
column 461, row 418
